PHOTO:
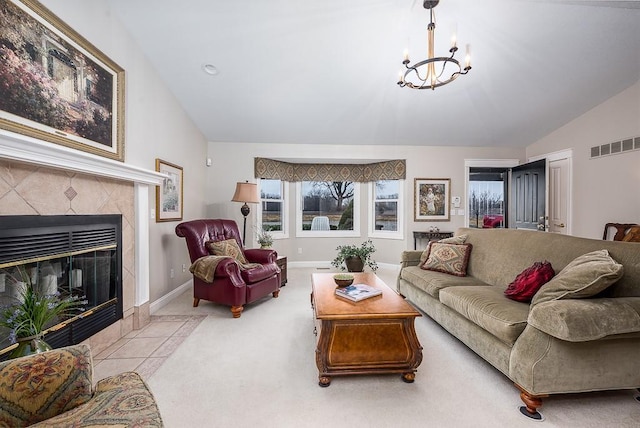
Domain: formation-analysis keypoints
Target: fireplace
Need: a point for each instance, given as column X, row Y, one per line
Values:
column 78, row 255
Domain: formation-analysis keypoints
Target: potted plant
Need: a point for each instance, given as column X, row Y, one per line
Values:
column 265, row 239
column 32, row 313
column 355, row 257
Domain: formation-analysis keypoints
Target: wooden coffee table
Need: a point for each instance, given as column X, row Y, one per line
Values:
column 375, row 335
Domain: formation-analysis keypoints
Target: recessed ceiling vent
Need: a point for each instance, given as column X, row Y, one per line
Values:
column 617, row 147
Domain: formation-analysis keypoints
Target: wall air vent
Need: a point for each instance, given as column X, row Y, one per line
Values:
column 617, row 147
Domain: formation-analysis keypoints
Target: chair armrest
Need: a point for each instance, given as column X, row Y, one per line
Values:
column 410, row 258
column 582, row 320
column 261, row 255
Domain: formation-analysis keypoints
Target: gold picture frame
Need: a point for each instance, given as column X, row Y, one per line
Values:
column 431, row 199
column 169, row 196
column 56, row 86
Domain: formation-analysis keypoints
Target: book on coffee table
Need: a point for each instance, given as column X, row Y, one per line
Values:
column 357, row 292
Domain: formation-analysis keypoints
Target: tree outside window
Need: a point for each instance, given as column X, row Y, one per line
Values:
column 330, row 203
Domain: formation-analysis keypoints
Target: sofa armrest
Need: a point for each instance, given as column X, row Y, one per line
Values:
column 261, row 255
column 582, row 320
column 410, row 258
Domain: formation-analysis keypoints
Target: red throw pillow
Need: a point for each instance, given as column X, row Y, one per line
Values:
column 529, row 281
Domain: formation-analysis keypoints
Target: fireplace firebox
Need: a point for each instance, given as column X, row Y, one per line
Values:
column 73, row 255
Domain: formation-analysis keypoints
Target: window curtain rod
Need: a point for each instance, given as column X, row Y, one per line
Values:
column 290, row 171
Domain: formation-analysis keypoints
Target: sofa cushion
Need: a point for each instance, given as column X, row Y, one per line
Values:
column 587, row 319
column 228, row 248
column 38, row 387
column 448, row 258
column 453, row 240
column 432, row 282
column 529, row 281
column 488, row 308
column 586, row 276
column 123, row 400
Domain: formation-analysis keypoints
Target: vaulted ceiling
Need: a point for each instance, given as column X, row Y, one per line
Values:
column 325, row 72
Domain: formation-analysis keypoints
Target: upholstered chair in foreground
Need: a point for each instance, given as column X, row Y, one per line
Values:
column 55, row 389
column 223, row 271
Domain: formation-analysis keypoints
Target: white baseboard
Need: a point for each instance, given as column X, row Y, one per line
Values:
column 164, row 300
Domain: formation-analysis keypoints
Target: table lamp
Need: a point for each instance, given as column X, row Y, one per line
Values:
column 247, row 193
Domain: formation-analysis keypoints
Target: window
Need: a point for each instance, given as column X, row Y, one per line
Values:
column 487, row 197
column 273, row 206
column 385, row 210
column 328, row 208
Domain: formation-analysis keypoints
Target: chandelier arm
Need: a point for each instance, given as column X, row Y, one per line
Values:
column 431, row 61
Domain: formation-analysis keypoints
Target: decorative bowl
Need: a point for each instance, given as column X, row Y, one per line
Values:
column 343, row 279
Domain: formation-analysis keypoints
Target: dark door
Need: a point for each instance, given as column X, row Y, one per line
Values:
column 528, row 196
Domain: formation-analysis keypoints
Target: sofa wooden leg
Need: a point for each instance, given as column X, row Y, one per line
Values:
column 532, row 403
column 276, row 293
column 196, row 302
column 237, row 311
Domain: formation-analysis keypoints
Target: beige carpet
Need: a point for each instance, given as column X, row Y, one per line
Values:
column 259, row 371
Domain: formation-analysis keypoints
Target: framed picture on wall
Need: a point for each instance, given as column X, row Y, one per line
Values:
column 55, row 85
column 431, row 199
column 169, row 195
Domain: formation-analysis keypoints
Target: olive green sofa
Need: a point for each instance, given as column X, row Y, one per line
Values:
column 559, row 346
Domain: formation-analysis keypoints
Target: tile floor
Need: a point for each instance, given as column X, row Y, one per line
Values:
column 146, row 349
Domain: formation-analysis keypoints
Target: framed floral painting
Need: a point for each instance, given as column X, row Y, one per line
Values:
column 431, row 199
column 169, row 196
column 55, row 85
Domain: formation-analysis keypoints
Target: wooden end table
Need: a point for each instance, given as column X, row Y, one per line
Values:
column 375, row 335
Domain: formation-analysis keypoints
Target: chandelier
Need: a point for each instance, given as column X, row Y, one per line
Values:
column 433, row 71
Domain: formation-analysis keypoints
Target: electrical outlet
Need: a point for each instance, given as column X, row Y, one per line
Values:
column 172, row 273
column 299, row 250
column 184, row 267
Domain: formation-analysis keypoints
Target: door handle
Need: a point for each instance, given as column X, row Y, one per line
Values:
column 559, row 225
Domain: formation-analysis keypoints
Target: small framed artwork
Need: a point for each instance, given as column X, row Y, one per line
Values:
column 55, row 85
column 431, row 199
column 169, row 194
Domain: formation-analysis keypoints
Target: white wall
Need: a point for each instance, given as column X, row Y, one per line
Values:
column 156, row 126
column 605, row 189
column 233, row 162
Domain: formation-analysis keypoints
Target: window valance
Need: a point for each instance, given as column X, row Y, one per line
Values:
column 290, row 171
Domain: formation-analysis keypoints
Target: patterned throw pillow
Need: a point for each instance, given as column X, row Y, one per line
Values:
column 448, row 258
column 529, row 281
column 453, row 240
column 586, row 276
column 227, row 248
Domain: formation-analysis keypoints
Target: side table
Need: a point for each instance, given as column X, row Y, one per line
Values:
column 431, row 236
column 281, row 261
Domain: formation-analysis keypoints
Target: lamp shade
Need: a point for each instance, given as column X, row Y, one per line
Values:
column 246, row 192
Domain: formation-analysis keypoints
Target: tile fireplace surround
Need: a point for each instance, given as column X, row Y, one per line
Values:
column 39, row 178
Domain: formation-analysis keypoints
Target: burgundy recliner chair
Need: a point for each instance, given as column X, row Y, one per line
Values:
column 231, row 286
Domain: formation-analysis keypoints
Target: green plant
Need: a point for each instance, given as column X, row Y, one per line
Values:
column 363, row 251
column 35, row 311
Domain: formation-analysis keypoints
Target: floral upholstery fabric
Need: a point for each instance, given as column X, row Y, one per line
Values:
column 54, row 389
column 40, row 386
column 122, row 400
